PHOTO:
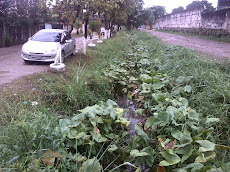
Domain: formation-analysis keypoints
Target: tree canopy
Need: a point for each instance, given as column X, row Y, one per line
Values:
column 177, row 10
column 150, row 15
column 16, row 12
column 201, row 4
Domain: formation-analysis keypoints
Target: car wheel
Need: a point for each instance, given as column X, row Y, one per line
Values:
column 27, row 62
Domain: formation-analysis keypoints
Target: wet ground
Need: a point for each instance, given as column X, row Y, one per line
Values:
column 215, row 50
column 130, row 107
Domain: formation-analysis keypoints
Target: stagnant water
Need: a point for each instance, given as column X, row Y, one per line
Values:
column 130, row 107
column 134, row 118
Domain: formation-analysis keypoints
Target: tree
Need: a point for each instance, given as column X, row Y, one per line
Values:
column 201, row 4
column 177, row 10
column 150, row 15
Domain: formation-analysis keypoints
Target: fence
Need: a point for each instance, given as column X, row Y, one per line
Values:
column 13, row 35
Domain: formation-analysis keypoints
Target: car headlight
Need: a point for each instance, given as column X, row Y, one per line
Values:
column 25, row 49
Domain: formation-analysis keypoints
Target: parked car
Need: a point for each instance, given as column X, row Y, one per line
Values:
column 43, row 45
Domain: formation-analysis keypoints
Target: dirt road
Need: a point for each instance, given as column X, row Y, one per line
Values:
column 13, row 67
column 212, row 49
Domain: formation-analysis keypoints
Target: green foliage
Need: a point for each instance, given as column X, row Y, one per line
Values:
column 201, row 4
column 95, row 26
column 177, row 10
column 8, row 40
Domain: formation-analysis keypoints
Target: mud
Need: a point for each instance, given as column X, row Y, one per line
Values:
column 215, row 50
column 131, row 116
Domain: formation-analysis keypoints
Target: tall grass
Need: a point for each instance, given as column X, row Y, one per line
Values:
column 210, row 82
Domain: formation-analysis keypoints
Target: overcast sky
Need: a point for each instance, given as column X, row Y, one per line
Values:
column 171, row 4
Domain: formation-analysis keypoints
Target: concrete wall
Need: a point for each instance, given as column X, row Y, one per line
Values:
column 217, row 20
column 195, row 21
column 185, row 19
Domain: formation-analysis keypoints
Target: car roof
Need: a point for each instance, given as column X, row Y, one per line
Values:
column 52, row 30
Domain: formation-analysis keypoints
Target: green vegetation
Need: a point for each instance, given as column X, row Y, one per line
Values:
column 72, row 121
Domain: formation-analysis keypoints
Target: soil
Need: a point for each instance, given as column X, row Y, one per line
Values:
column 12, row 66
column 215, row 50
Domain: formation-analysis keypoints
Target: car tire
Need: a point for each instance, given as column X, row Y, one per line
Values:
column 27, row 62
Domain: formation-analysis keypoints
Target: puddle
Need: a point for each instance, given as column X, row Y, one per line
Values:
column 3, row 72
column 4, row 76
column 134, row 118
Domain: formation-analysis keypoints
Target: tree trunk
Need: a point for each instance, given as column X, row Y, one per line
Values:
column 86, row 24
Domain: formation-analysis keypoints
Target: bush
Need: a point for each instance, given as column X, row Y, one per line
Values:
column 8, row 40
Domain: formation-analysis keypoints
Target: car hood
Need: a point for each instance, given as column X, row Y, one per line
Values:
column 40, row 47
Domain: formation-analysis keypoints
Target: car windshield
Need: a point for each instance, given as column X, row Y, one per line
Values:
column 47, row 37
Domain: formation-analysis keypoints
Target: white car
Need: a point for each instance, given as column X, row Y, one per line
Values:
column 43, row 45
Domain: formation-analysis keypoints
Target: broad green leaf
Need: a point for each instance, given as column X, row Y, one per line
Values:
column 170, row 159
column 180, row 79
column 157, row 86
column 149, row 159
column 212, row 120
column 136, row 153
column 205, row 156
column 111, row 103
column 206, row 146
column 146, row 78
column 188, row 89
column 194, row 167
column 149, row 122
column 122, row 83
column 172, row 111
column 186, row 152
column 138, row 170
column 161, row 118
column 112, row 148
column 183, row 101
column 141, row 133
column 184, row 138
column 145, row 61
column 91, row 165
column 77, row 118
column 193, row 115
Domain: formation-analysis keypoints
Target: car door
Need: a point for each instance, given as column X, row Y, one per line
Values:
column 69, row 43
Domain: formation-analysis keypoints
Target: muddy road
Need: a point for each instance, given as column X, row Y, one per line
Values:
column 12, row 66
column 211, row 49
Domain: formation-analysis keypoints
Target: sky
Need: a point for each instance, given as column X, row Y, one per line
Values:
column 171, row 4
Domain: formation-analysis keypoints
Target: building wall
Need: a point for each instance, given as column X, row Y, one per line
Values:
column 195, row 21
